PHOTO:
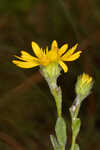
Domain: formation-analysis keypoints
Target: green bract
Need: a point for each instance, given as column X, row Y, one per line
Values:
column 83, row 86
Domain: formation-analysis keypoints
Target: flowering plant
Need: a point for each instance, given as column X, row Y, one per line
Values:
column 51, row 62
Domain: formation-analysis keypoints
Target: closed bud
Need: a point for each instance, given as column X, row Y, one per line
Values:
column 83, row 86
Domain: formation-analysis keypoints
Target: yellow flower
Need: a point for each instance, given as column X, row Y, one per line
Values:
column 45, row 57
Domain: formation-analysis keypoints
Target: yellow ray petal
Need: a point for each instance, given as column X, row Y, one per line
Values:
column 54, row 44
column 63, row 49
column 72, row 57
column 70, row 51
column 28, row 64
column 26, row 56
column 63, row 66
column 36, row 49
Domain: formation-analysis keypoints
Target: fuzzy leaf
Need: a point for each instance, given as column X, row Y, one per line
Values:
column 54, row 143
column 76, row 126
column 76, row 147
column 61, row 131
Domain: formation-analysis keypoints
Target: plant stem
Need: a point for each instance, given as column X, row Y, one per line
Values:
column 63, row 148
column 58, row 99
column 73, row 142
column 74, row 110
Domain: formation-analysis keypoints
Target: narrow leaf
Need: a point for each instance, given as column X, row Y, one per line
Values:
column 54, row 143
column 76, row 126
column 76, row 147
column 61, row 131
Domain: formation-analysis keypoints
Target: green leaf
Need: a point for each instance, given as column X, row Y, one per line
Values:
column 61, row 131
column 76, row 126
column 76, row 147
column 54, row 143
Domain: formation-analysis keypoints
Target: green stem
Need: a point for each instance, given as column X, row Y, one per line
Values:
column 63, row 148
column 74, row 110
column 77, row 111
column 73, row 142
column 51, row 72
column 58, row 99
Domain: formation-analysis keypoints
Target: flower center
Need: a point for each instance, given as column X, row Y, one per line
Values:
column 49, row 57
column 44, row 60
column 53, row 55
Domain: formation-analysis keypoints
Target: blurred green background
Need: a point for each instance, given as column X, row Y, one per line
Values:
column 27, row 109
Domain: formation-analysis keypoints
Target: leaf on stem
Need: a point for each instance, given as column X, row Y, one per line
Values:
column 76, row 123
column 76, row 147
column 60, row 129
column 54, row 143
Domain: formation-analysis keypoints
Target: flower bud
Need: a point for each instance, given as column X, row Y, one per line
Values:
column 83, row 86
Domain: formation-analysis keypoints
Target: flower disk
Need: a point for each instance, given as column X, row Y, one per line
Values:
column 45, row 57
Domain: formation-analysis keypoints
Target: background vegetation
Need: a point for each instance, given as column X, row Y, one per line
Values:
column 27, row 109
